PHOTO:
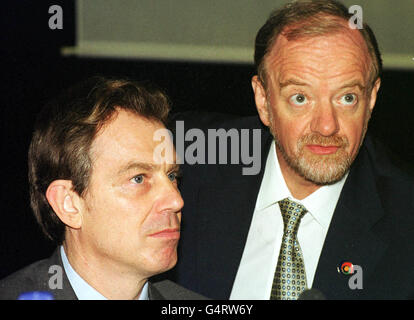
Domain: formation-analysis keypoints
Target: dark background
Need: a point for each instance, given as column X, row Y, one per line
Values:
column 33, row 71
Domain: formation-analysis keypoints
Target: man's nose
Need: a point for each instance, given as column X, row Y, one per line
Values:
column 324, row 119
column 169, row 198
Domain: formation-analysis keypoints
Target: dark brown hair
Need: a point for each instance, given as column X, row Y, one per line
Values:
column 65, row 129
column 307, row 18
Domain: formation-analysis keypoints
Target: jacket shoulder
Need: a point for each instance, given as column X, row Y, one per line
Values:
column 394, row 176
column 34, row 277
column 168, row 290
column 394, row 183
column 387, row 163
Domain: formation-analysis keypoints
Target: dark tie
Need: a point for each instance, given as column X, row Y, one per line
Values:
column 290, row 277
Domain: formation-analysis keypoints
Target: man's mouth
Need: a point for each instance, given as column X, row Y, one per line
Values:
column 173, row 233
column 322, row 150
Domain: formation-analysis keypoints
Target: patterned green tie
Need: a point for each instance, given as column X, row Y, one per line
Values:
column 290, row 277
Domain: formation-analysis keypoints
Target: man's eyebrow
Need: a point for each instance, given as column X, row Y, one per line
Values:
column 174, row 167
column 146, row 167
column 351, row 84
column 291, row 82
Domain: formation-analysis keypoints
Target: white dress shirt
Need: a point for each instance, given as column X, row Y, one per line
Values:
column 82, row 289
column 258, row 264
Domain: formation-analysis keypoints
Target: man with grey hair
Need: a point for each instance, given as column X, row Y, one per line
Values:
column 328, row 210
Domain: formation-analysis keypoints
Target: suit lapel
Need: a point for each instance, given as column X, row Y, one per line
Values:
column 168, row 290
column 351, row 235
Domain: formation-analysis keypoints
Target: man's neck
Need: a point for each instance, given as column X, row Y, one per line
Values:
column 113, row 282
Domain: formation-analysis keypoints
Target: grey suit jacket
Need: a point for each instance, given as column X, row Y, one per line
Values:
column 36, row 277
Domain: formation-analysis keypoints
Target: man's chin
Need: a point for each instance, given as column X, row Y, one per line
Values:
column 168, row 260
column 322, row 170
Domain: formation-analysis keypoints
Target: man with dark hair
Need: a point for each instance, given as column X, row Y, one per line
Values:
column 328, row 210
column 102, row 193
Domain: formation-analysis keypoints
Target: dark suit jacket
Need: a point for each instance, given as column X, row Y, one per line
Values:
column 36, row 276
column 372, row 226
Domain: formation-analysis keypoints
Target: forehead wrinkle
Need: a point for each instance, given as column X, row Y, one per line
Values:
column 321, row 55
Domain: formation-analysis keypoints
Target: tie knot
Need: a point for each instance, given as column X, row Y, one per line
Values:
column 292, row 212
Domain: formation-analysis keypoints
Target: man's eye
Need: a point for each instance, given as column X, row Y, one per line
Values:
column 173, row 176
column 139, row 179
column 298, row 99
column 348, row 99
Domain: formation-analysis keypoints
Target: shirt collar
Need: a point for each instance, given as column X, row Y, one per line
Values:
column 320, row 204
column 82, row 289
column 273, row 187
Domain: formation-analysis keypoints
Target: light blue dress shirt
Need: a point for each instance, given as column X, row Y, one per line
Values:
column 82, row 289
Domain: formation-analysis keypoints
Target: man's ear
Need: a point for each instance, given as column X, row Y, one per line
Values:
column 261, row 100
column 374, row 92
column 65, row 203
